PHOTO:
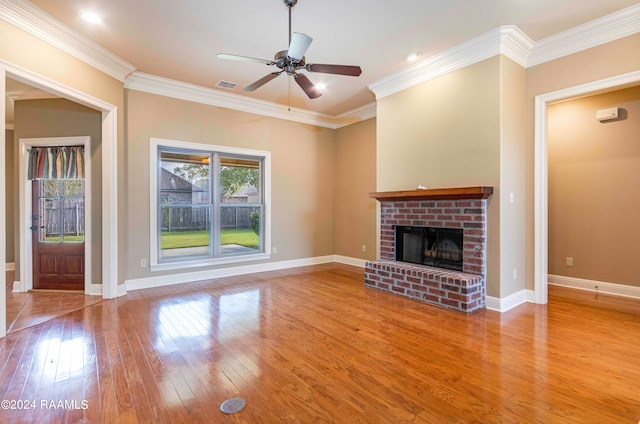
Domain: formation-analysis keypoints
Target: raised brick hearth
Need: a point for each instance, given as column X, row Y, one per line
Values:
column 463, row 291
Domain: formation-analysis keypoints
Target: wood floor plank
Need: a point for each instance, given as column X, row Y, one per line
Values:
column 313, row 345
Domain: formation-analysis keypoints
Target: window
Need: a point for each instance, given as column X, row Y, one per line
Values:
column 209, row 204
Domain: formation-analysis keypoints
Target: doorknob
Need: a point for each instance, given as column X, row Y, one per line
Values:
column 35, row 227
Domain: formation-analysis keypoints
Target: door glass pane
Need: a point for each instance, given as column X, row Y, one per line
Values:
column 73, row 212
column 240, row 206
column 185, row 205
column 50, row 220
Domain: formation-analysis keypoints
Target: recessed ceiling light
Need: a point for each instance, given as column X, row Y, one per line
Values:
column 412, row 57
column 321, row 86
column 92, row 17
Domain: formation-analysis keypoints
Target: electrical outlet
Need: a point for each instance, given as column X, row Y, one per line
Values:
column 143, row 263
column 274, row 250
column 515, row 274
column 364, row 248
column 569, row 262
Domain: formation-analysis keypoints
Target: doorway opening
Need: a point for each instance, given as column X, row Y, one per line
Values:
column 541, row 203
column 109, row 182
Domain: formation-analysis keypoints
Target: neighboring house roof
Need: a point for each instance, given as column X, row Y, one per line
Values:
column 171, row 182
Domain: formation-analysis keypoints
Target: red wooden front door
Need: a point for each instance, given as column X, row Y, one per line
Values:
column 58, row 234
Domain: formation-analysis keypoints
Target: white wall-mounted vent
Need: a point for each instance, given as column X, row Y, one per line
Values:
column 227, row 85
column 607, row 114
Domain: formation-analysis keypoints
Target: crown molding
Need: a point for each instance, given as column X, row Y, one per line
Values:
column 614, row 26
column 35, row 21
column 507, row 40
column 194, row 93
column 515, row 44
column 353, row 116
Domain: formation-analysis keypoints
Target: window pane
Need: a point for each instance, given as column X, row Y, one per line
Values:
column 50, row 220
column 240, row 206
column 73, row 220
column 73, row 211
column 185, row 205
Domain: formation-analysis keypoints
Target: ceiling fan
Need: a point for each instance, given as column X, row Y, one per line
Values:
column 292, row 60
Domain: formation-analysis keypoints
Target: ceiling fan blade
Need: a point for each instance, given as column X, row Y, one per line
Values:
column 299, row 45
column 307, row 86
column 244, row 58
column 352, row 71
column 262, row 81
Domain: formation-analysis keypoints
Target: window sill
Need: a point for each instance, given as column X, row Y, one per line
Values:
column 199, row 263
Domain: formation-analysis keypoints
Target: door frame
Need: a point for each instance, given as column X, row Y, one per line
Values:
column 541, row 176
column 109, row 193
column 25, row 190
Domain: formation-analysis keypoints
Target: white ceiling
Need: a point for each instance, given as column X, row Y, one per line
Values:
column 179, row 40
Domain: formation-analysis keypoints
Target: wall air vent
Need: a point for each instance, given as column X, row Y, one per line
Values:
column 227, row 85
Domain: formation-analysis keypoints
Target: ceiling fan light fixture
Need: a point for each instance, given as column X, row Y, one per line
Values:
column 320, row 86
column 299, row 44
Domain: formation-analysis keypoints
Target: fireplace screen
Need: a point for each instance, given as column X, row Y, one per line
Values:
column 439, row 247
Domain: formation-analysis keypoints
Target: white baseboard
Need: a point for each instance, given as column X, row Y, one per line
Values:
column 189, row 277
column 503, row 304
column 590, row 285
column 94, row 290
column 11, row 266
column 351, row 261
column 17, row 287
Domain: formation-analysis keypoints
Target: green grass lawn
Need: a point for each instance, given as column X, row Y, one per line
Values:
column 180, row 239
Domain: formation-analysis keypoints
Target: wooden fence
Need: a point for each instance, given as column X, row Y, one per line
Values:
column 72, row 222
column 197, row 217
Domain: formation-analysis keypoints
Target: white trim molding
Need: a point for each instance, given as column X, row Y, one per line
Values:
column 38, row 23
column 360, row 263
column 614, row 26
column 507, row 303
column 190, row 277
column 541, row 220
column 194, row 93
column 595, row 286
column 516, row 45
column 507, row 40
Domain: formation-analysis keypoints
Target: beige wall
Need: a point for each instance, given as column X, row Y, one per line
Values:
column 303, row 171
column 594, row 203
column 512, row 172
column 446, row 133
column 10, row 224
column 355, row 177
column 605, row 61
column 62, row 118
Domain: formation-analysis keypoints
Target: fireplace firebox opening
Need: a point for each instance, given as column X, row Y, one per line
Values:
column 432, row 246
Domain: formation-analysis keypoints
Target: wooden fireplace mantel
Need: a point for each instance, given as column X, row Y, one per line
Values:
column 457, row 193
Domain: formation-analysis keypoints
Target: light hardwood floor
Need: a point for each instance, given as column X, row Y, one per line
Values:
column 31, row 308
column 312, row 345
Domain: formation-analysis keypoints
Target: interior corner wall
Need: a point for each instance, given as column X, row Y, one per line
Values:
column 355, row 178
column 605, row 61
column 593, row 198
column 512, row 176
column 10, row 222
column 63, row 118
column 446, row 133
column 302, row 171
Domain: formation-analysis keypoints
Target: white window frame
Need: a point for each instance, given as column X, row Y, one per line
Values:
column 154, row 262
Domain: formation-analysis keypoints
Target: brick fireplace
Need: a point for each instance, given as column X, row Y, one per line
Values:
column 456, row 208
